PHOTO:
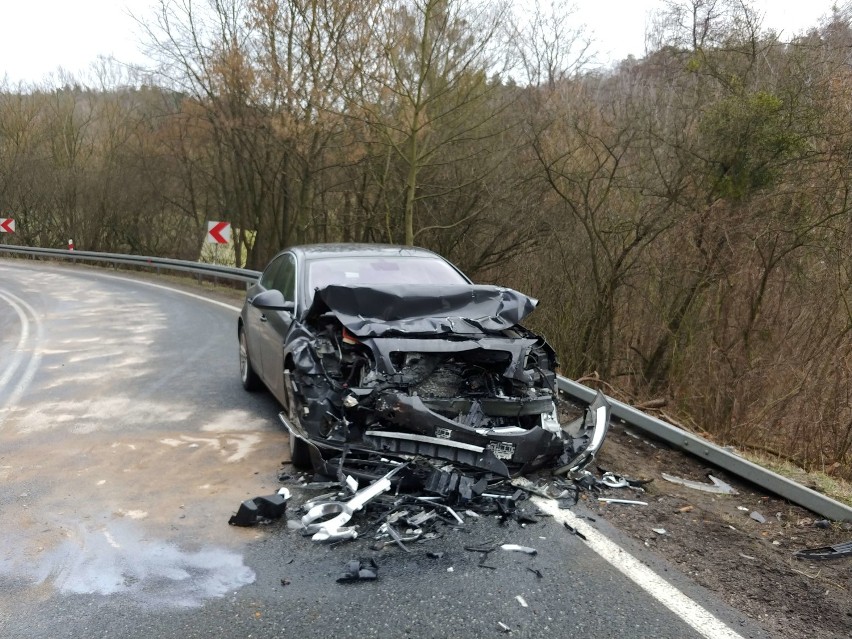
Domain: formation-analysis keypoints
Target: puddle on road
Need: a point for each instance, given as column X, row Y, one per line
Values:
column 120, row 559
column 140, row 516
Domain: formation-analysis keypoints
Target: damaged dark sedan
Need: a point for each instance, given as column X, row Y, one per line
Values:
column 393, row 351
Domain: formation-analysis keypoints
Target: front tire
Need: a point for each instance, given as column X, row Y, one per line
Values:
column 300, row 455
column 248, row 377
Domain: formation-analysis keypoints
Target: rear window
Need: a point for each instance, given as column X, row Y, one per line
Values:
column 368, row 271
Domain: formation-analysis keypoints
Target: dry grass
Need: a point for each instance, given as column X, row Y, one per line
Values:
column 833, row 487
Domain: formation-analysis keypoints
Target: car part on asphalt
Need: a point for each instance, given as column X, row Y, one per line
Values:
column 574, row 531
column 359, row 570
column 334, row 529
column 718, row 486
column 261, row 510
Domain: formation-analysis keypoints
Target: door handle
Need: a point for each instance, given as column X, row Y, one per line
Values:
column 262, row 317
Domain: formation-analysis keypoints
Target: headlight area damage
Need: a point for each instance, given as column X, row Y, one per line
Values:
column 438, row 372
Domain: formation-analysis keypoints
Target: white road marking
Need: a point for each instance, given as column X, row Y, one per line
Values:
column 172, row 290
column 701, row 620
column 18, row 353
column 22, row 309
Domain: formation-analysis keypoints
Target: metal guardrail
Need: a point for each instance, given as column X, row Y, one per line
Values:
column 690, row 443
column 210, row 270
column 677, row 437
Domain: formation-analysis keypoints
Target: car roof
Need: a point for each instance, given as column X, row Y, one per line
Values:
column 317, row 251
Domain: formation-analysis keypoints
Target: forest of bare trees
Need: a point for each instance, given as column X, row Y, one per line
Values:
column 685, row 217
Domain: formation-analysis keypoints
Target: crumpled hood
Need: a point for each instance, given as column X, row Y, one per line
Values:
column 373, row 311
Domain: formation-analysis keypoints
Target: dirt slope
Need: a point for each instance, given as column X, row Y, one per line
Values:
column 714, row 539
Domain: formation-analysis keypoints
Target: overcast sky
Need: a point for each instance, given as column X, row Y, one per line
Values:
column 39, row 36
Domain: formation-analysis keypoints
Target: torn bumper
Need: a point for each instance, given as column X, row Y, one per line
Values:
column 404, row 424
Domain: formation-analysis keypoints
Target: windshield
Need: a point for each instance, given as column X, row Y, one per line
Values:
column 369, row 270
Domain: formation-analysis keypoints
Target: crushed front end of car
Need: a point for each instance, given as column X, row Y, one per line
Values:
column 444, row 372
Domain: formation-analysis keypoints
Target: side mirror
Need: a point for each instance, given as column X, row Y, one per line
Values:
column 272, row 300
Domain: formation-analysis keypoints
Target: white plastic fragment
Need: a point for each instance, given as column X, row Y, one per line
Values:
column 660, row 531
column 450, row 569
column 614, row 481
column 522, row 601
column 284, row 492
column 610, row 500
column 454, row 514
column 516, row 548
column 334, row 529
column 352, row 483
column 504, row 627
column 719, row 487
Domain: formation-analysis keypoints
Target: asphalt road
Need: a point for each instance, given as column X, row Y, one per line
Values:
column 126, row 443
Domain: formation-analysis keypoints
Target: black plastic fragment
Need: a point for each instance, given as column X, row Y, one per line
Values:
column 454, row 486
column 536, row 572
column 484, row 558
column 435, row 555
column 363, row 570
column 484, row 547
column 259, row 510
column 525, row 517
column 837, row 551
column 396, row 537
column 574, row 531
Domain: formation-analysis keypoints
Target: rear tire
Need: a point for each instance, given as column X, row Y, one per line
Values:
column 249, row 378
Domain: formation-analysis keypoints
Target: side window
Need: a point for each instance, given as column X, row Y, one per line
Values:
column 285, row 277
column 267, row 280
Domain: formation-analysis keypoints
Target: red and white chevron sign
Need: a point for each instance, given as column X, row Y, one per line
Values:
column 7, row 225
column 218, row 232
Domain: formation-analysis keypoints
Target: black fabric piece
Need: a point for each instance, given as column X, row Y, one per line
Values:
column 363, row 570
column 259, row 510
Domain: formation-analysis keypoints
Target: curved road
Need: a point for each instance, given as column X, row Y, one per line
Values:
column 126, row 442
